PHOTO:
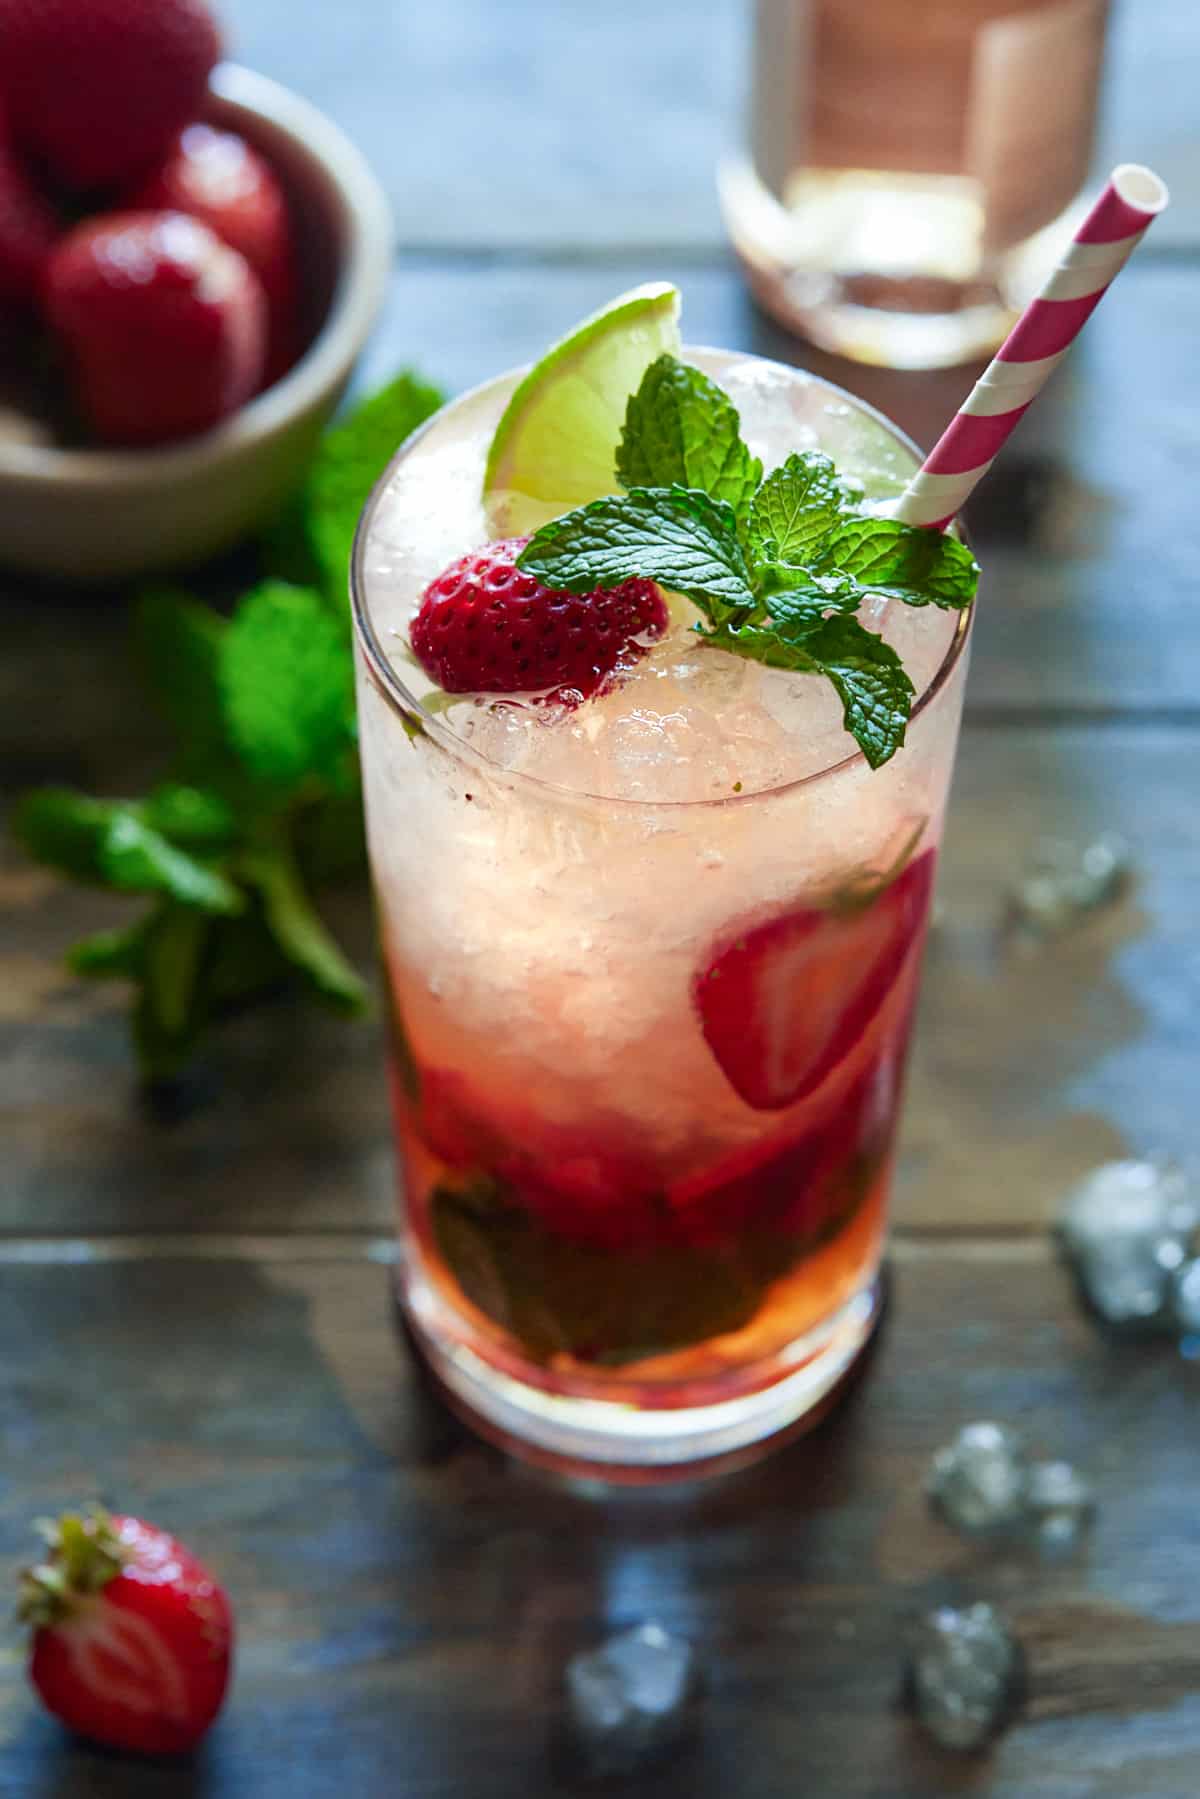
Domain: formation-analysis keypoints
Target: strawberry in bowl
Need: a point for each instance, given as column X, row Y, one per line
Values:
column 163, row 324
column 220, row 179
column 175, row 432
column 97, row 88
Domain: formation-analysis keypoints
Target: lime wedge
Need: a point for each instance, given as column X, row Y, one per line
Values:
column 556, row 445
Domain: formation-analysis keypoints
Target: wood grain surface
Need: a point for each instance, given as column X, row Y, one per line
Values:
column 195, row 1312
column 407, row 1597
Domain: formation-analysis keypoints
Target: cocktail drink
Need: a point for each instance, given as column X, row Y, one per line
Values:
column 652, row 945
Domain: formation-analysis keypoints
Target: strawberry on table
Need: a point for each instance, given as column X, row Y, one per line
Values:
column 132, row 1636
column 784, row 1002
column 219, row 178
column 486, row 626
column 97, row 88
column 28, row 228
column 164, row 325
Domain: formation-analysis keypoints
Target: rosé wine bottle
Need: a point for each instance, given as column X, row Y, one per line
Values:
column 651, row 966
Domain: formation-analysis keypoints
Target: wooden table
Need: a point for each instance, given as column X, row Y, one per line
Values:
column 195, row 1318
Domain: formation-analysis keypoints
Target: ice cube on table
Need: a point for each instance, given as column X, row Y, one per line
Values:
column 964, row 1674
column 1061, row 1506
column 1185, row 1302
column 979, row 1482
column 1064, row 880
column 631, row 1699
column 1125, row 1229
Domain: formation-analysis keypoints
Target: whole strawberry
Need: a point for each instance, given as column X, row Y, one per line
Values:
column 163, row 325
column 28, row 228
column 485, row 626
column 98, row 88
column 218, row 177
column 132, row 1637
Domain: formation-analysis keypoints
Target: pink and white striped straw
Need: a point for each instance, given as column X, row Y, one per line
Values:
column 1033, row 348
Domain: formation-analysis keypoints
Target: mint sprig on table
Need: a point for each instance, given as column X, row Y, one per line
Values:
column 261, row 804
column 777, row 567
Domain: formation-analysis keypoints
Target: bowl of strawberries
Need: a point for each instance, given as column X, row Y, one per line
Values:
column 191, row 260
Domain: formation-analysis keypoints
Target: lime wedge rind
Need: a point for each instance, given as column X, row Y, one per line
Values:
column 555, row 445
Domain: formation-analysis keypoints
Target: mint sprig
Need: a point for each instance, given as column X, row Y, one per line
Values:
column 261, row 803
column 681, row 430
column 777, row 567
column 677, row 536
column 792, row 512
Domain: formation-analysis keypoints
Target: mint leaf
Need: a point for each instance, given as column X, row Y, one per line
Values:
column 242, row 962
column 64, row 829
column 681, row 430
column 299, row 932
column 350, row 460
column 876, row 693
column 683, row 539
column 773, row 645
column 795, row 509
column 139, row 859
column 800, row 591
column 177, row 642
column 193, row 817
column 109, row 843
column 109, row 955
column 286, row 678
column 169, row 1014
column 869, row 676
column 604, row 1305
column 904, row 562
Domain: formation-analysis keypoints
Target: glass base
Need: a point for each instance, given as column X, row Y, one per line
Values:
column 615, row 1441
column 854, row 272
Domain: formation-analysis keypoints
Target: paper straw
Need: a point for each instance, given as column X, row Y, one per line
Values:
column 1033, row 348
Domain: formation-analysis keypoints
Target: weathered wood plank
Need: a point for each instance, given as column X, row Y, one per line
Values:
column 406, row 1598
column 542, row 125
column 1031, row 1063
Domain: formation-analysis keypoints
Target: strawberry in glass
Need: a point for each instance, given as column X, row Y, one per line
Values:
column 658, row 711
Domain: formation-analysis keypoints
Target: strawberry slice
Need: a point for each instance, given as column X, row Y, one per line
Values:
column 782, row 1004
column 798, row 1186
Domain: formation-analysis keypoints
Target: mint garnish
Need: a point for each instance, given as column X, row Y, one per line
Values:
column 903, row 562
column 262, row 801
column 777, row 567
column 677, row 536
column 285, row 679
column 681, row 430
column 795, row 509
column 869, row 676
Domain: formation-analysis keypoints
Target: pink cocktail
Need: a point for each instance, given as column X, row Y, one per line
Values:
column 652, row 962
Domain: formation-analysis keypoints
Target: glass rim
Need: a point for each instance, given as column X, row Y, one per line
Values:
column 414, row 718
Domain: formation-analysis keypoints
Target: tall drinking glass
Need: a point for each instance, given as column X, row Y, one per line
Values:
column 651, row 968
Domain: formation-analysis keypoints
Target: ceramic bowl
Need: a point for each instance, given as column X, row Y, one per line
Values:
column 103, row 515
